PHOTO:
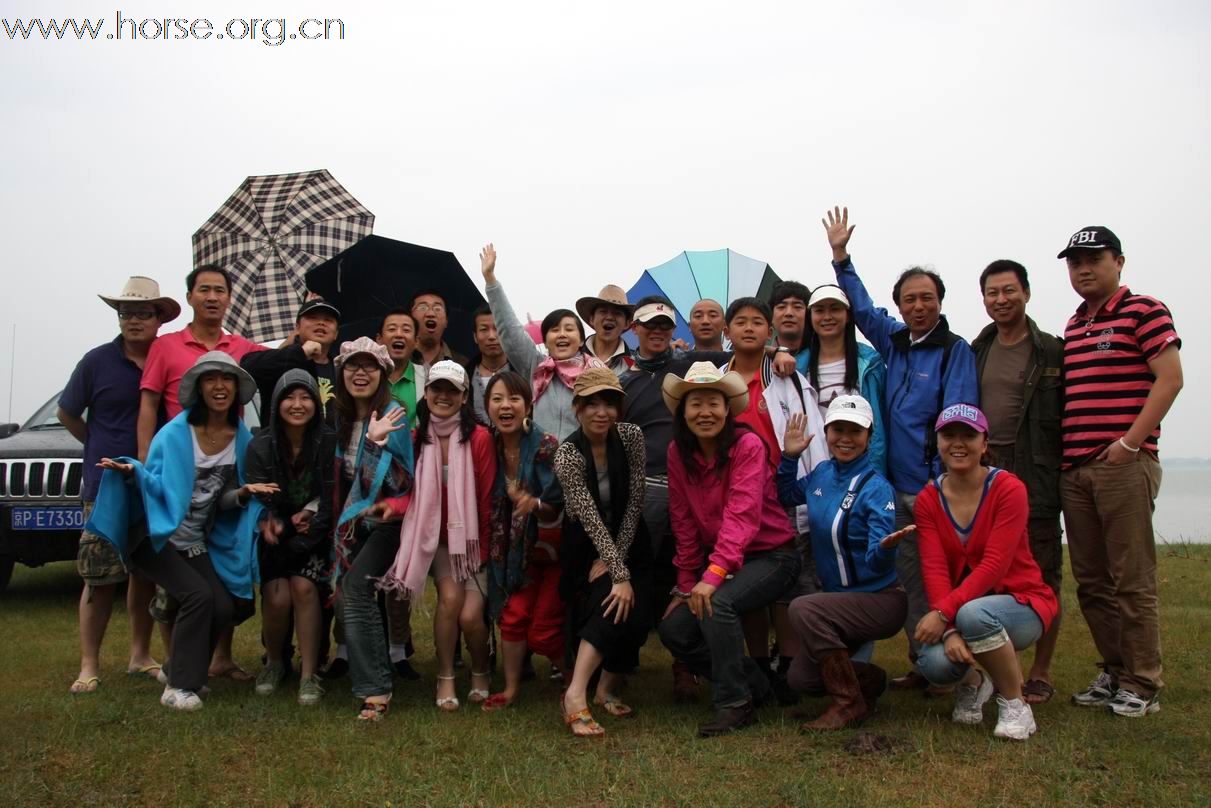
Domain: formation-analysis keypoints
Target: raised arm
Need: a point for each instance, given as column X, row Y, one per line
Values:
column 519, row 348
column 874, row 322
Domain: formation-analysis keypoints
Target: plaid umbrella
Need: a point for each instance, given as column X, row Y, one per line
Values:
column 267, row 235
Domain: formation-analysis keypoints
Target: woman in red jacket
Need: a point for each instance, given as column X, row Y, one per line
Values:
column 446, row 527
column 986, row 593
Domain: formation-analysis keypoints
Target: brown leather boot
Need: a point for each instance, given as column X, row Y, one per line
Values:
column 841, row 682
column 685, row 683
column 872, row 681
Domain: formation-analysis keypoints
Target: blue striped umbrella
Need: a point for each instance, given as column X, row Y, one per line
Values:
column 721, row 275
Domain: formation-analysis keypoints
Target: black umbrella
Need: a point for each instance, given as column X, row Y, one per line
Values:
column 379, row 274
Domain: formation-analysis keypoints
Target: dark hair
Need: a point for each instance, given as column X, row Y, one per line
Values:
column 192, row 278
column 646, row 299
column 614, row 397
column 748, row 303
column 466, row 419
column 422, row 292
column 291, row 463
column 556, row 317
column 913, row 272
column 481, row 311
column 1005, row 265
column 514, row 383
column 199, row 412
column 346, row 409
column 851, row 353
column 687, row 442
column 399, row 312
column 785, row 289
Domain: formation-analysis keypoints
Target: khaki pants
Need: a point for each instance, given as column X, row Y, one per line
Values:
column 1108, row 516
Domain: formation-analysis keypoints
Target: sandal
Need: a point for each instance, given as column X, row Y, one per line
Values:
column 88, row 684
column 478, row 695
column 581, row 720
column 235, row 673
column 151, row 671
column 614, row 706
column 447, row 704
column 1037, row 691
column 497, row 701
column 372, row 711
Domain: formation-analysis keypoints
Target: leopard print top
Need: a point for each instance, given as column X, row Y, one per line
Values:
column 571, row 468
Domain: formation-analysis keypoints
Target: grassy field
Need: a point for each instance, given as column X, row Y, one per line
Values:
column 120, row 746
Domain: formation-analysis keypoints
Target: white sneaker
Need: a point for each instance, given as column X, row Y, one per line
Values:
column 1014, row 720
column 1099, row 693
column 1126, row 703
column 178, row 699
column 970, row 701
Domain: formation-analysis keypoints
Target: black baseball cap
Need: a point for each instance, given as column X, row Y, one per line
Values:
column 1094, row 237
column 316, row 304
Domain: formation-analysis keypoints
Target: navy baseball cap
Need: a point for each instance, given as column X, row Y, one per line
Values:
column 1094, row 237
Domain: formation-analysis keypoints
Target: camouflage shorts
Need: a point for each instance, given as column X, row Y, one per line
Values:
column 97, row 561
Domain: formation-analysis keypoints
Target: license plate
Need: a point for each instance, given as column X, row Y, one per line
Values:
column 47, row 518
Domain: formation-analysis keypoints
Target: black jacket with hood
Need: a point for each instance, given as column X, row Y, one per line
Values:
column 267, row 462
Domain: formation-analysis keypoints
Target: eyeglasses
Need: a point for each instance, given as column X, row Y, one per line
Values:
column 137, row 314
column 425, row 308
column 659, row 324
column 364, row 367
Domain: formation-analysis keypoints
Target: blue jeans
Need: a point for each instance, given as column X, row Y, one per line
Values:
column 369, row 663
column 714, row 646
column 985, row 624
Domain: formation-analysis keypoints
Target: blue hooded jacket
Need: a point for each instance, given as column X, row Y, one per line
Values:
column 161, row 490
column 923, row 378
column 872, row 376
column 850, row 508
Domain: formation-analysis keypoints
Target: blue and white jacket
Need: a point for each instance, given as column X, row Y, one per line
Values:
column 872, row 376
column 923, row 378
column 850, row 508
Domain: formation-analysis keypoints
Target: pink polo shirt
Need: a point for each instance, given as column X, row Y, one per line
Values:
column 173, row 354
column 727, row 518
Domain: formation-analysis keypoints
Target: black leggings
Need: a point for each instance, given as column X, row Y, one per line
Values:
column 206, row 608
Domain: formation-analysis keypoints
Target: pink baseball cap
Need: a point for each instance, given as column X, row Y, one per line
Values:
column 966, row 414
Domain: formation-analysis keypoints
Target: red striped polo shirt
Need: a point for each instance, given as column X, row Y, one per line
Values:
column 1106, row 373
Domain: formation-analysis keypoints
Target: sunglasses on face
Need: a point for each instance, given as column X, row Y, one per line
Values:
column 136, row 314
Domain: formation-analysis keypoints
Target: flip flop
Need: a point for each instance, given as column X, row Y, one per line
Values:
column 151, row 671
column 88, row 684
column 1037, row 691
column 585, row 719
column 372, row 711
column 614, row 706
column 235, row 673
column 497, row 701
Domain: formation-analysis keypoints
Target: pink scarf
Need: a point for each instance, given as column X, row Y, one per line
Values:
column 567, row 370
column 421, row 530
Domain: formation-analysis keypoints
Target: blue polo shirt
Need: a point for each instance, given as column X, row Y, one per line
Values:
column 106, row 384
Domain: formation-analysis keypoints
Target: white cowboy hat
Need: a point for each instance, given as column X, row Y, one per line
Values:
column 705, row 376
column 140, row 289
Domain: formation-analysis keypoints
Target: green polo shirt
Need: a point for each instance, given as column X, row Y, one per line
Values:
column 404, row 392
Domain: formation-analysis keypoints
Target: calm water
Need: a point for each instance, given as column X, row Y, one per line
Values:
column 1183, row 507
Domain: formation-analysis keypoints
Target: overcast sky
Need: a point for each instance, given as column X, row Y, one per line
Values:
column 592, row 141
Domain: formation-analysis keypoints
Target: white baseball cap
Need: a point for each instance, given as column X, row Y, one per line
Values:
column 854, row 409
column 448, row 371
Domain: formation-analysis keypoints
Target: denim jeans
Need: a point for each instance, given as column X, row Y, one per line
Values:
column 985, row 624
column 369, row 663
column 714, row 646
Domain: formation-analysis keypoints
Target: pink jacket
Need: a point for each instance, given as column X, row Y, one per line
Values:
column 731, row 517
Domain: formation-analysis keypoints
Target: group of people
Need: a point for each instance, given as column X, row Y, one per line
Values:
column 794, row 482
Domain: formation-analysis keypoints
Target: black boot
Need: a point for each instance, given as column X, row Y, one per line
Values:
column 729, row 719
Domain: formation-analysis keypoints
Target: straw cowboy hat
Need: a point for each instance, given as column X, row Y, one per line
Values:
column 705, row 376
column 610, row 295
column 139, row 289
column 212, row 361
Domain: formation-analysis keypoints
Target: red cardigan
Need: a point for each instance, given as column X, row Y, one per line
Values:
column 997, row 551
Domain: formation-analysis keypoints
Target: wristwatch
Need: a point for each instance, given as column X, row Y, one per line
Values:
column 782, row 349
